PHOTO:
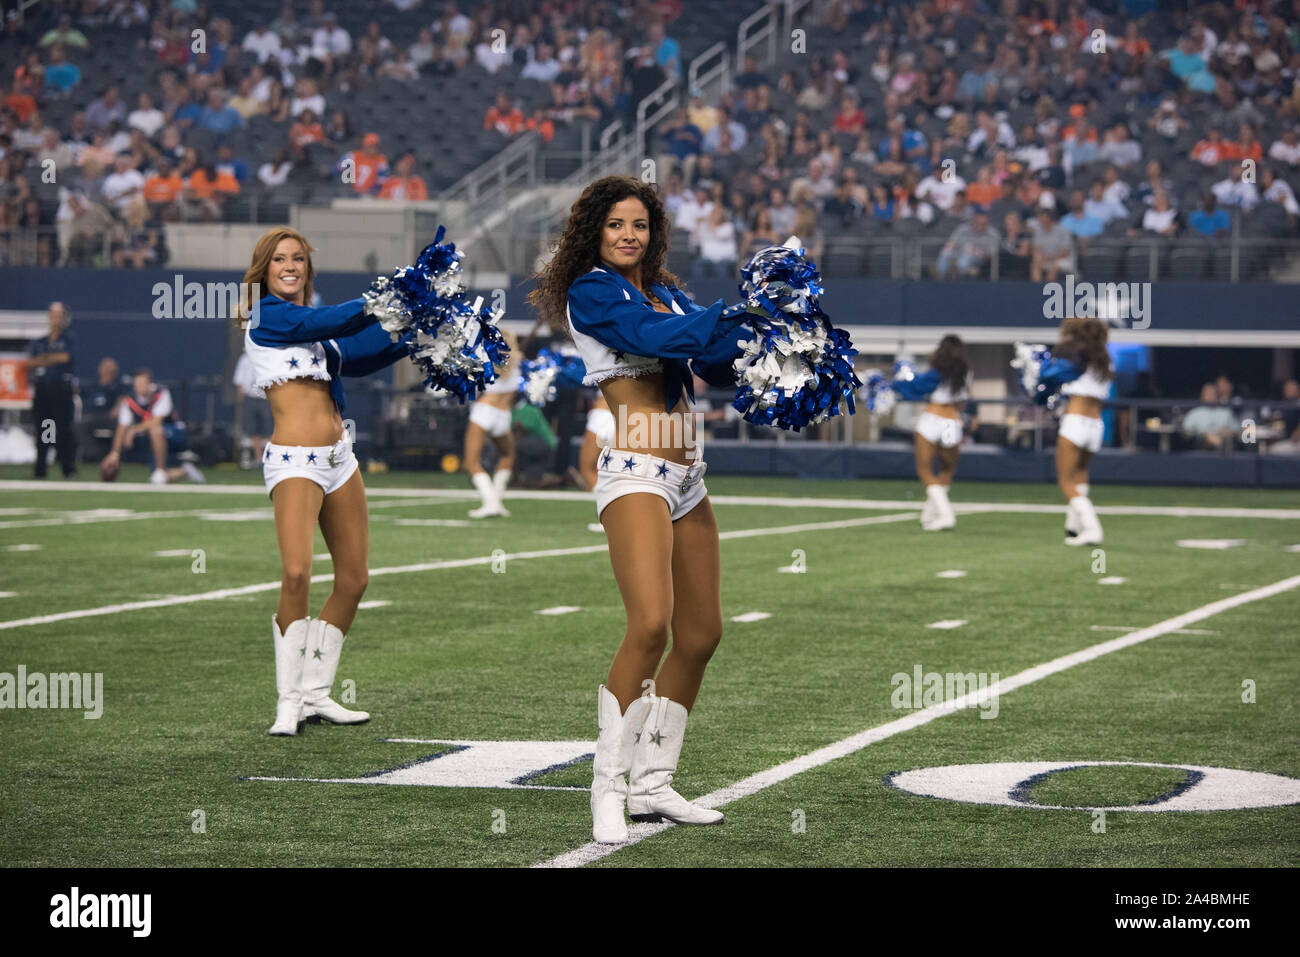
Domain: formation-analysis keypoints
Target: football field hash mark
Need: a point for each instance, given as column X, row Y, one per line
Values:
column 23, row 548
column 375, row 603
column 775, row 775
column 173, row 553
column 947, row 623
column 951, row 573
column 749, row 616
column 1112, row 580
column 559, row 610
column 1211, row 543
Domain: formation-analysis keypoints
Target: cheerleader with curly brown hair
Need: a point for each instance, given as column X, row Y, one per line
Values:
column 639, row 336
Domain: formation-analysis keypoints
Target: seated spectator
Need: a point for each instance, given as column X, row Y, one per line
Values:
column 970, row 247
column 136, row 243
column 244, row 102
column 1100, row 207
column 761, row 235
column 124, row 186
column 20, row 101
column 275, row 171
column 306, row 96
column 783, row 213
column 716, row 241
column 1078, row 223
column 912, row 143
column 850, row 118
column 504, row 116
column 404, row 184
column 941, row 188
column 60, row 75
column 1161, row 218
column 842, row 208
column 1051, row 175
column 1052, row 248
column 863, row 154
column 1155, row 180
column 1287, row 148
column 1248, row 145
column 542, row 123
column 65, row 34
column 1209, row 220
column 1277, row 190
column 206, row 193
column 695, row 205
column 400, row 67
column 365, row 168
column 809, row 233
column 162, row 190
column 305, row 131
column 543, row 67
column 83, row 228
column 1210, row 425
column 1080, row 147
column 1237, row 190
column 1289, row 420
column 146, row 117
column 143, row 413
column 1119, row 148
column 882, row 203
column 105, row 109
column 1017, row 249
column 339, row 128
column 217, row 117
column 1167, row 121
column 99, row 409
column 817, row 182
column 228, row 162
column 263, row 43
column 1214, row 149
column 52, row 148
column 681, row 144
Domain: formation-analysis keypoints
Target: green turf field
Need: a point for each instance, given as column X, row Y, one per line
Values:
column 461, row 654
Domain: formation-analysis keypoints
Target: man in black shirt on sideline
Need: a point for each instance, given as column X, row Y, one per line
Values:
column 99, row 410
column 49, row 366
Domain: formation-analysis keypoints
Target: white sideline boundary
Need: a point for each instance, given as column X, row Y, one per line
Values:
column 775, row 775
column 242, row 590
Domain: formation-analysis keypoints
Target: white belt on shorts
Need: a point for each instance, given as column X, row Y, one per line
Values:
column 651, row 467
column 308, row 456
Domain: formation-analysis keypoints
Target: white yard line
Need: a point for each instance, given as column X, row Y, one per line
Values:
column 221, row 593
column 466, row 495
column 846, row 746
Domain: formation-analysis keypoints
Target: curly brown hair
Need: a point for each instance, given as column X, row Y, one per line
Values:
column 950, row 361
column 578, row 249
column 1084, row 340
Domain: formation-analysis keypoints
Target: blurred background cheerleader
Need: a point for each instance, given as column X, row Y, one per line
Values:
column 945, row 389
column 490, row 419
column 1080, row 365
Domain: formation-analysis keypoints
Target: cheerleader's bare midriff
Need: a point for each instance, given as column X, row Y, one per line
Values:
column 304, row 413
column 1084, row 405
column 640, row 425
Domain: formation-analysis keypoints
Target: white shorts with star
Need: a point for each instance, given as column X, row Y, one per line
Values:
column 329, row 466
column 620, row 473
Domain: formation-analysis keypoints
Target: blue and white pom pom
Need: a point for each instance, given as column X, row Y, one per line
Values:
column 455, row 343
column 539, row 377
column 877, row 394
column 798, row 367
column 1028, row 362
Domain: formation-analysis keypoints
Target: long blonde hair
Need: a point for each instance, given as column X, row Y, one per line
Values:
column 261, row 265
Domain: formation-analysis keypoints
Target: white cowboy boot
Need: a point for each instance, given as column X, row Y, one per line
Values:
column 491, row 500
column 943, row 515
column 290, row 651
column 1089, row 525
column 654, row 762
column 1072, row 523
column 618, row 735
column 324, row 644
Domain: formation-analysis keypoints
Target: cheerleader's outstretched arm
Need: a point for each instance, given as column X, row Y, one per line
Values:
column 599, row 308
column 1057, row 372
column 281, row 323
column 918, row 387
column 363, row 352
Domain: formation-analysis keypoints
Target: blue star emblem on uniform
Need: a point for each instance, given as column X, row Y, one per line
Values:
column 619, row 356
column 293, row 363
column 266, row 454
column 311, row 456
column 628, row 464
column 663, row 469
column 285, row 457
column 315, row 360
column 605, row 461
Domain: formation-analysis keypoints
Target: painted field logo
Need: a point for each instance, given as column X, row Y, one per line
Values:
column 1011, row 783
column 473, row 764
column 953, row 690
column 1115, row 302
column 78, row 691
